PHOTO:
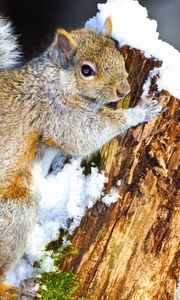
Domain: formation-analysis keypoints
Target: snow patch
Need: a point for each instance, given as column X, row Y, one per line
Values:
column 63, row 196
column 178, row 290
column 147, row 84
column 112, row 197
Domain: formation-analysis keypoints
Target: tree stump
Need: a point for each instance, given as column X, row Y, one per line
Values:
column 131, row 250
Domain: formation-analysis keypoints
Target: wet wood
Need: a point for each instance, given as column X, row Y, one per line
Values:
column 131, row 250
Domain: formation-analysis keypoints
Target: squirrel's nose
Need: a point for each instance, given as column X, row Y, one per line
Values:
column 122, row 90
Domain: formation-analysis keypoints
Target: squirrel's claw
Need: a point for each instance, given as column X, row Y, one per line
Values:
column 151, row 108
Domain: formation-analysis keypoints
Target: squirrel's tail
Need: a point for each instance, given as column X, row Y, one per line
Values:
column 9, row 52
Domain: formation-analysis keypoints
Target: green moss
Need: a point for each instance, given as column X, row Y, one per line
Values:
column 55, row 245
column 59, row 251
column 58, row 286
column 62, row 252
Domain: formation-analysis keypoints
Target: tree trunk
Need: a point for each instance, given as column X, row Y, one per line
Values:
column 130, row 250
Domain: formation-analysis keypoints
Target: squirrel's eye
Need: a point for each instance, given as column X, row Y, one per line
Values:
column 87, row 71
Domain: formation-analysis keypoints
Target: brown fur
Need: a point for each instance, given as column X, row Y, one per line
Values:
column 7, row 292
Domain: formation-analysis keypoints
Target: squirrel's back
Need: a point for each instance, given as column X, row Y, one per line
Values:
column 9, row 52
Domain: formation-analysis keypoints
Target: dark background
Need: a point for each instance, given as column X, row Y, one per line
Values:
column 36, row 20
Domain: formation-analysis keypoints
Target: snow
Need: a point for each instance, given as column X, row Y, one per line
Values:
column 131, row 26
column 178, row 291
column 111, row 197
column 147, row 83
column 64, row 195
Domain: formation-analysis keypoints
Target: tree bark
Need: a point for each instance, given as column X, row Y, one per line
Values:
column 131, row 250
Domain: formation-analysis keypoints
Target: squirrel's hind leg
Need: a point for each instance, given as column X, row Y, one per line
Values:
column 17, row 218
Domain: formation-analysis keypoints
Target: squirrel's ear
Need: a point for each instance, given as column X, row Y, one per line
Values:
column 65, row 44
column 107, row 29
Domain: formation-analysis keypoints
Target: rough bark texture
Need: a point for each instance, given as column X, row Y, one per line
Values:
column 131, row 250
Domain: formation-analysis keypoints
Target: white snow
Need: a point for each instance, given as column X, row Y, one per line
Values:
column 62, row 196
column 178, row 290
column 147, row 83
column 111, row 197
column 132, row 26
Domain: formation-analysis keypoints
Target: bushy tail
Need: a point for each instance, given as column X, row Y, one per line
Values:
column 9, row 53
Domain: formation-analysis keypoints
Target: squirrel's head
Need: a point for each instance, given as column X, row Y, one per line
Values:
column 94, row 68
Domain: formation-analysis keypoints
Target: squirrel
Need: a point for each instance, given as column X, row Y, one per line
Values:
column 56, row 102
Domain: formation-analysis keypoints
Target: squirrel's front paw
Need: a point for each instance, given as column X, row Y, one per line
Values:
column 151, row 108
column 145, row 111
